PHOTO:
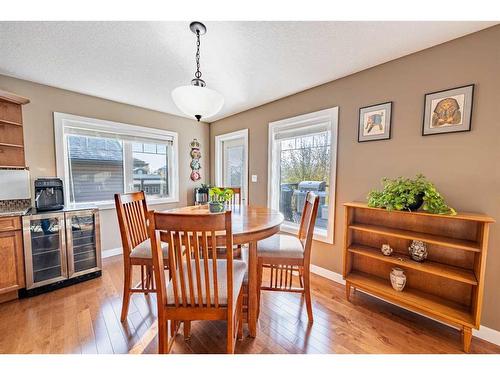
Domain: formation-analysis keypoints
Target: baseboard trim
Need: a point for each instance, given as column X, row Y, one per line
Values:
column 327, row 274
column 111, row 252
column 487, row 334
column 484, row 333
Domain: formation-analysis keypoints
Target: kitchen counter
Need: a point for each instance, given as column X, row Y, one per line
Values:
column 66, row 208
column 15, row 212
column 6, row 212
column 14, row 207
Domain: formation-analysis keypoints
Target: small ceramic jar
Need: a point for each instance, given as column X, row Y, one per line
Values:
column 398, row 279
column 386, row 249
column 418, row 250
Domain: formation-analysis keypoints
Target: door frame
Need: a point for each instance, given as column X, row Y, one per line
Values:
column 219, row 168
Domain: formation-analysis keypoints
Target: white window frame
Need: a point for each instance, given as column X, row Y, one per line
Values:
column 61, row 120
column 219, row 160
column 273, row 179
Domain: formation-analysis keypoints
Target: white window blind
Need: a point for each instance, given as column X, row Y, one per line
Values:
column 301, row 130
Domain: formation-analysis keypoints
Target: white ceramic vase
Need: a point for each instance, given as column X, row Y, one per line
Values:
column 398, row 279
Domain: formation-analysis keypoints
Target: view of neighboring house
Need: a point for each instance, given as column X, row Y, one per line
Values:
column 99, row 169
column 151, row 182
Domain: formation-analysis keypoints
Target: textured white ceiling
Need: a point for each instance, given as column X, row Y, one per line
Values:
column 250, row 63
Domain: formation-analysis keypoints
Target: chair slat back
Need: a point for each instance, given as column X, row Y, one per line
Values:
column 236, row 198
column 132, row 211
column 193, row 259
column 307, row 222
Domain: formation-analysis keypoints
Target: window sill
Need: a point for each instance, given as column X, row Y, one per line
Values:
column 319, row 235
column 109, row 205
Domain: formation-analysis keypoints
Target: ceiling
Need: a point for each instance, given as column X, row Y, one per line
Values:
column 249, row 63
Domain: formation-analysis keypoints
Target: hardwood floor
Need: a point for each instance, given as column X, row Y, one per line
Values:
column 84, row 318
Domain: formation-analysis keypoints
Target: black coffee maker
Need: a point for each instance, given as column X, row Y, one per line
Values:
column 49, row 195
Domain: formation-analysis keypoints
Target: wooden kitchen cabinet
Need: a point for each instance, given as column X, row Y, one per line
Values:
column 11, row 130
column 11, row 258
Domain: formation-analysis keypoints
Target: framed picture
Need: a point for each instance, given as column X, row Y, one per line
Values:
column 375, row 122
column 448, row 111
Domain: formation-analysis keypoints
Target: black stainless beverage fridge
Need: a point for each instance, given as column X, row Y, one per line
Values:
column 61, row 247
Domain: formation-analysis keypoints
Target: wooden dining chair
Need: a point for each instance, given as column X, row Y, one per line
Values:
column 238, row 251
column 287, row 256
column 235, row 201
column 202, row 287
column 132, row 211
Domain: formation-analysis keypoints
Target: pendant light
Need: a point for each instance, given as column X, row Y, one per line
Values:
column 196, row 99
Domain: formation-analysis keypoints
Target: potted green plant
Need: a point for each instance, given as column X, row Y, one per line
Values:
column 219, row 198
column 409, row 194
column 201, row 194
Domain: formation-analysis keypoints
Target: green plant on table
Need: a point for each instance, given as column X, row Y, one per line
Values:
column 220, row 195
column 409, row 194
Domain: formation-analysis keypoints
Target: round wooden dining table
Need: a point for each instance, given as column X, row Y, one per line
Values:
column 249, row 224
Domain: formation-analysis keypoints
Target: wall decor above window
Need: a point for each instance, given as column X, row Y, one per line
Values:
column 448, row 111
column 375, row 122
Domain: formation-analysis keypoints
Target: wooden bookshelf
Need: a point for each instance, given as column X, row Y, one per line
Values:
column 447, row 286
column 11, row 130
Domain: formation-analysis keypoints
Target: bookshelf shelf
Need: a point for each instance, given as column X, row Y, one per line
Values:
column 440, row 269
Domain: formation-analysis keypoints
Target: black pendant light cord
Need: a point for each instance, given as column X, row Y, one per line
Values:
column 198, row 73
column 198, row 29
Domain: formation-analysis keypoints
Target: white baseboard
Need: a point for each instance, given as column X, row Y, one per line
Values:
column 485, row 333
column 327, row 274
column 111, row 252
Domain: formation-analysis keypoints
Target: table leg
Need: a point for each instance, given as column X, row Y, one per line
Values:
column 252, row 289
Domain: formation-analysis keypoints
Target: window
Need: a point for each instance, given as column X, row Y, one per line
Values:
column 302, row 158
column 231, row 161
column 97, row 158
column 233, row 168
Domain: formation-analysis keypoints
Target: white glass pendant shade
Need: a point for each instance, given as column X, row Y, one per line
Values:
column 197, row 101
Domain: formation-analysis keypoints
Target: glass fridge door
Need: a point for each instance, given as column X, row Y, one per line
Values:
column 45, row 249
column 83, row 242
